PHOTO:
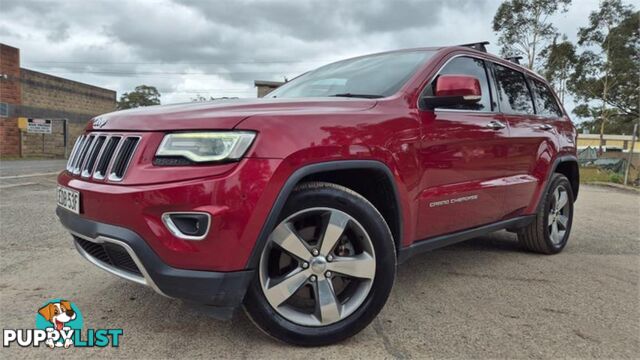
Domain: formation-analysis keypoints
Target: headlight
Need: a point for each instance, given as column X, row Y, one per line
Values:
column 206, row 146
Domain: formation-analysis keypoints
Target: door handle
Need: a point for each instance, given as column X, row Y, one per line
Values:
column 545, row 127
column 495, row 125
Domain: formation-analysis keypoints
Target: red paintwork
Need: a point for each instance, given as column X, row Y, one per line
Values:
column 457, row 85
column 434, row 156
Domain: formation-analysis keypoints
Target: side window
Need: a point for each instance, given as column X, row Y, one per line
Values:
column 513, row 91
column 546, row 103
column 466, row 66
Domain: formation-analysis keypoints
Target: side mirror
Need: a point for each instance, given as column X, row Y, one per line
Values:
column 454, row 90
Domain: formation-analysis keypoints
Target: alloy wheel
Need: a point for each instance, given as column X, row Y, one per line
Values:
column 318, row 267
column 558, row 218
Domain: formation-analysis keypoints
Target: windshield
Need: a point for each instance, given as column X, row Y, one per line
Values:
column 371, row 76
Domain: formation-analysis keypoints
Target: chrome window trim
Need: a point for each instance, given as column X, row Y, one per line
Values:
column 111, row 176
column 144, row 280
column 461, row 110
column 173, row 229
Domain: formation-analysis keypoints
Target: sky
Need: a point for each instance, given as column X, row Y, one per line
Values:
column 187, row 48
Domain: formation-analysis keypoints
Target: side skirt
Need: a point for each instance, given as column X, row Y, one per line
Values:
column 444, row 240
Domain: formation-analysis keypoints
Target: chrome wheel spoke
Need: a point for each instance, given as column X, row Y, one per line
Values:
column 563, row 220
column 335, row 228
column 360, row 266
column 561, row 201
column 558, row 217
column 284, row 289
column 555, row 235
column 327, row 305
column 288, row 240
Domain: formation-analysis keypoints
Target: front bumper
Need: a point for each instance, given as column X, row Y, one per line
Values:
column 124, row 253
column 238, row 201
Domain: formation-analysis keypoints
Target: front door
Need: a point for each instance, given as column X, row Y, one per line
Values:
column 463, row 156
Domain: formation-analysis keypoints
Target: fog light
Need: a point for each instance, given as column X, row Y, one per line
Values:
column 187, row 225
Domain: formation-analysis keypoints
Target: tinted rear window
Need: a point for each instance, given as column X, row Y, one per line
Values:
column 513, row 91
column 546, row 104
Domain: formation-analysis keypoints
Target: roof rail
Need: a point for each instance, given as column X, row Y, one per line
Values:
column 480, row 46
column 514, row 59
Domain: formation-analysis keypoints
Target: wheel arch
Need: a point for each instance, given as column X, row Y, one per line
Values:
column 336, row 172
column 566, row 165
column 569, row 168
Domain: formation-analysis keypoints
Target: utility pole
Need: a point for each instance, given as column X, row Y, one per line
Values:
column 634, row 136
column 65, row 134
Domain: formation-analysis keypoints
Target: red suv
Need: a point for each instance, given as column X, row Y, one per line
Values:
column 300, row 205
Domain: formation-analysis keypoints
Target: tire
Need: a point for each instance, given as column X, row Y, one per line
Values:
column 357, row 299
column 549, row 232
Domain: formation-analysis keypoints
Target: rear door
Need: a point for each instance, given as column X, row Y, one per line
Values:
column 531, row 140
column 463, row 155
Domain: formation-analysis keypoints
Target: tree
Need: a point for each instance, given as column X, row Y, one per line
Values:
column 607, row 72
column 524, row 27
column 200, row 98
column 560, row 61
column 142, row 95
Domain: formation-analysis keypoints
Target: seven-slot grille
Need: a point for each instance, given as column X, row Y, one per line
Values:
column 98, row 155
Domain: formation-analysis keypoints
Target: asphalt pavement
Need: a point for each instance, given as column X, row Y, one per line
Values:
column 484, row 298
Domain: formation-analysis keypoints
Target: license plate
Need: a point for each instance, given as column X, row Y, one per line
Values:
column 69, row 199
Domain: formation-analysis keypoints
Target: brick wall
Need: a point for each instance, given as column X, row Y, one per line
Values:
column 9, row 137
column 42, row 96
column 10, row 94
column 51, row 97
column 56, row 95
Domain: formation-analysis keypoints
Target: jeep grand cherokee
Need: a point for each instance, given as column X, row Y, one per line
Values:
column 299, row 206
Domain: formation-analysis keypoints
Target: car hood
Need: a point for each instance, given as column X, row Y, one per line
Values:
column 219, row 114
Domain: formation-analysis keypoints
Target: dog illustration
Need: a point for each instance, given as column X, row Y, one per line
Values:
column 58, row 313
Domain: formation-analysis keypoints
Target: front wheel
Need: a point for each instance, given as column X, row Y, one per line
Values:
column 549, row 232
column 327, row 268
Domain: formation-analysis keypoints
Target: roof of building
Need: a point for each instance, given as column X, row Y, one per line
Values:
column 27, row 72
column 605, row 136
column 268, row 83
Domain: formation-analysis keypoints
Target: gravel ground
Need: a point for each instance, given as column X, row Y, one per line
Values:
column 484, row 298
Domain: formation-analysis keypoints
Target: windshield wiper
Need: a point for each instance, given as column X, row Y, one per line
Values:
column 365, row 96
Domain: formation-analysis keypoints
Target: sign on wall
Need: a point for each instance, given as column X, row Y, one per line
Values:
column 37, row 126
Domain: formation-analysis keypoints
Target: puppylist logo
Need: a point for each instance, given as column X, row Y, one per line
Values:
column 59, row 325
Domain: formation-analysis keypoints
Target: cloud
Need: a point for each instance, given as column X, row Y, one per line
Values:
column 59, row 32
column 217, row 48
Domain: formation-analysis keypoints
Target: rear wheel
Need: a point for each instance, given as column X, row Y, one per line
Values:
column 326, row 270
column 549, row 232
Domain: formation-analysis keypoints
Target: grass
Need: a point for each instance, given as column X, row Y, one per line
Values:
column 594, row 174
column 591, row 174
